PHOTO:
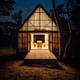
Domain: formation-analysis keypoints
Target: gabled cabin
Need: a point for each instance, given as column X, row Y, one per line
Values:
column 39, row 31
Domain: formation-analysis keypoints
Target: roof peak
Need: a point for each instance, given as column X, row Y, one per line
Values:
column 39, row 5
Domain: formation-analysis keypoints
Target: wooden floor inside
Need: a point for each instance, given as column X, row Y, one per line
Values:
column 40, row 54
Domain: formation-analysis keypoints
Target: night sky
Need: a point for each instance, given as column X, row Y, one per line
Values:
column 27, row 6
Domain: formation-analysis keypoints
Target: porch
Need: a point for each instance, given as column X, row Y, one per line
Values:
column 40, row 54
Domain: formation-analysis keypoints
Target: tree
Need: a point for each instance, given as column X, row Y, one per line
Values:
column 78, row 1
column 17, row 17
column 73, row 18
column 6, row 6
column 60, row 10
column 76, row 31
column 68, row 12
column 61, row 22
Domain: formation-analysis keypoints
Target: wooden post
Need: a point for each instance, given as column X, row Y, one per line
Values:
column 27, row 41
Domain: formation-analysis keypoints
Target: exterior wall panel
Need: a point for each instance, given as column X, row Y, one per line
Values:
column 39, row 21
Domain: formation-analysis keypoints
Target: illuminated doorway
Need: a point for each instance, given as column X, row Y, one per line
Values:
column 39, row 41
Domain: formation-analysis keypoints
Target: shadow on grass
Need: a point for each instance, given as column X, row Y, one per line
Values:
column 73, row 62
column 13, row 57
column 48, row 63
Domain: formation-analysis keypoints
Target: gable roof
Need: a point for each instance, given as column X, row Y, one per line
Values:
column 39, row 5
column 42, row 21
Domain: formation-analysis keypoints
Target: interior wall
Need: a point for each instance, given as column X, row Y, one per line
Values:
column 45, row 44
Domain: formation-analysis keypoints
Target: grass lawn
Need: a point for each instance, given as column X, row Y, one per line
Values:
column 7, row 51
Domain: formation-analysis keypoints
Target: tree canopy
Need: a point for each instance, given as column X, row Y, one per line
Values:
column 6, row 6
column 17, row 17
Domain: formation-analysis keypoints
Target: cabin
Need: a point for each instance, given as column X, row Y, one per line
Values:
column 39, row 32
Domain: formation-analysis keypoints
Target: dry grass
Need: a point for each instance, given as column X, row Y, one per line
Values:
column 7, row 51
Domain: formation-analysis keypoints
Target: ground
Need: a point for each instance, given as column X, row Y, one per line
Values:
column 15, row 70
column 15, row 67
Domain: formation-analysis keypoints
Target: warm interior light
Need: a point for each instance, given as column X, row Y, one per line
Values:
column 39, row 41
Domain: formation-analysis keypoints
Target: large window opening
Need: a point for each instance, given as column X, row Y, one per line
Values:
column 39, row 41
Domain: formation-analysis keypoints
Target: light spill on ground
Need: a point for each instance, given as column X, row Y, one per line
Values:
column 14, row 71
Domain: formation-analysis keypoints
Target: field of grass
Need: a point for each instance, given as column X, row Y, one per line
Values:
column 7, row 51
